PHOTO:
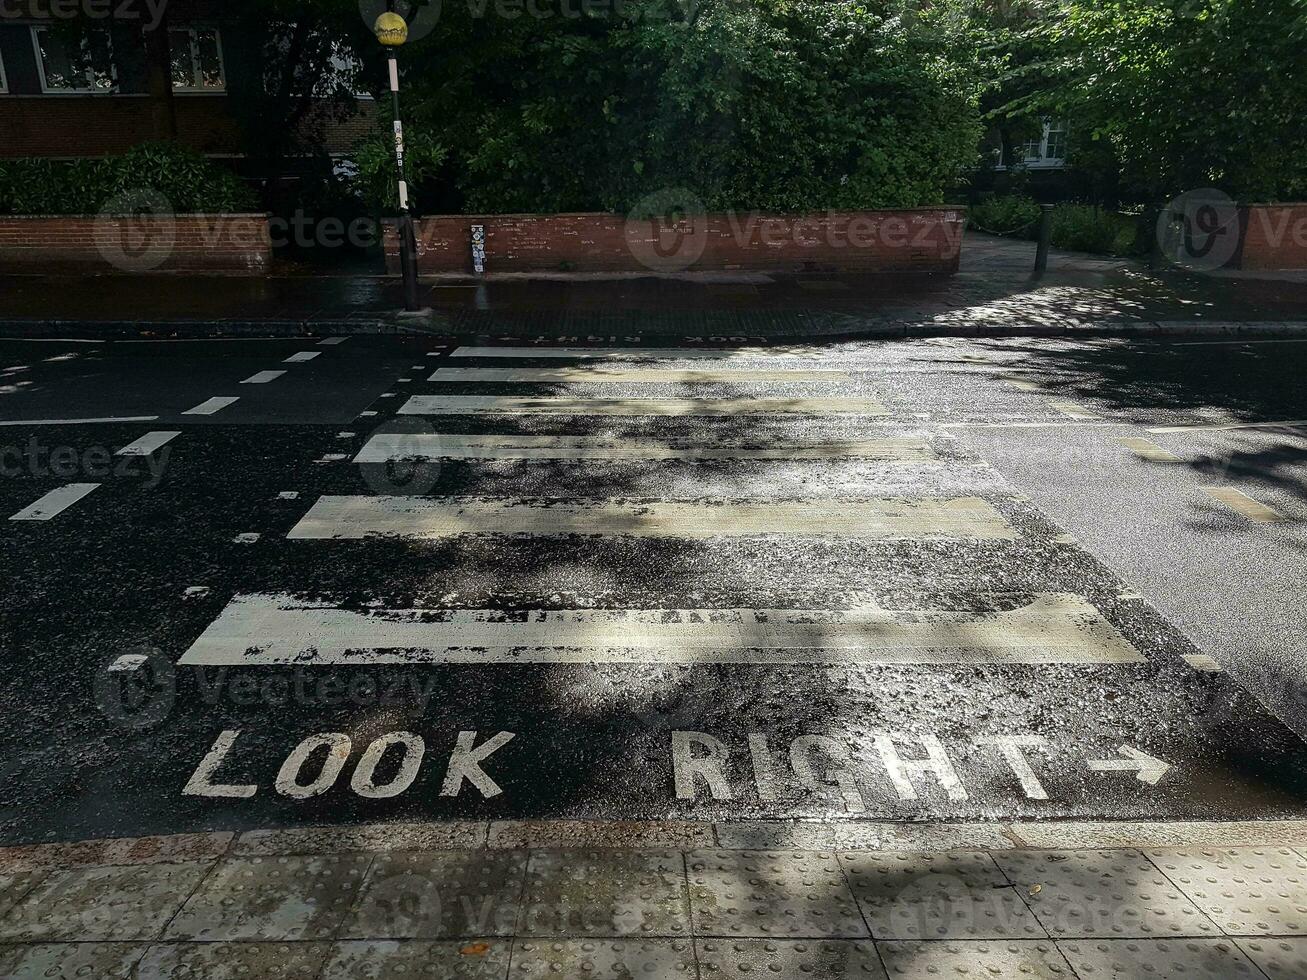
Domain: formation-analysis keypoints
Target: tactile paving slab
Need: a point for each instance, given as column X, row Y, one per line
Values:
column 605, row 893
column 1102, row 893
column 1279, row 959
column 817, row 959
column 937, row 896
column 1028, row 959
column 1248, row 891
column 768, row 894
column 56, row 961
column 233, row 961
column 114, row 904
column 438, row 895
column 272, row 898
column 1158, row 959
column 388, row 959
column 658, row 959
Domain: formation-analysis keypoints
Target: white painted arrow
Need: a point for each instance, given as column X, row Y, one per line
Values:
column 1146, row 768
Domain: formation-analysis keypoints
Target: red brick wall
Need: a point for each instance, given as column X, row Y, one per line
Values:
column 921, row 240
column 1272, row 236
column 234, row 243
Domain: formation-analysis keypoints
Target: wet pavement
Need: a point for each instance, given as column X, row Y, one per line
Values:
column 976, row 580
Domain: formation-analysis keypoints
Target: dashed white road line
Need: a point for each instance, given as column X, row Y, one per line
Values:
column 262, row 377
column 102, row 421
column 263, row 630
column 507, row 405
column 55, row 502
column 1072, row 409
column 1244, row 505
column 302, row 356
column 1228, row 427
column 642, row 353
column 332, row 341
column 352, row 517
column 1149, row 450
column 387, row 446
column 583, row 375
column 147, row 444
column 212, row 406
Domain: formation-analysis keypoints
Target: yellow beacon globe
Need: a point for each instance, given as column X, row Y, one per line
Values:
column 391, row 29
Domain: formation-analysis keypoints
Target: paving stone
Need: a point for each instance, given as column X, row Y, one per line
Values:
column 937, row 896
column 1279, row 959
column 438, row 895
column 233, row 961
column 846, row 835
column 1029, row 959
column 1158, row 959
column 605, row 893
column 66, row 961
column 1062, row 835
column 592, row 834
column 820, row 959
column 1101, row 893
column 124, row 850
column 485, row 959
column 272, row 898
column 116, row 904
column 772, row 894
column 1248, row 891
column 369, row 838
column 15, row 886
column 658, row 959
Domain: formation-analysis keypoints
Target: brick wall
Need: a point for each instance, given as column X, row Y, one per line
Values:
column 1272, row 236
column 920, row 240
column 228, row 243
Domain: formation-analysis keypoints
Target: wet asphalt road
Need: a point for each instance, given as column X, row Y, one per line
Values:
column 144, row 564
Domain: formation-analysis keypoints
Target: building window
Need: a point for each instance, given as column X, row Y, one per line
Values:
column 71, row 63
column 4, row 81
column 1050, row 149
column 196, row 60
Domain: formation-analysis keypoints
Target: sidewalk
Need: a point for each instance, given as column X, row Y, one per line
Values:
column 993, row 293
column 614, row 901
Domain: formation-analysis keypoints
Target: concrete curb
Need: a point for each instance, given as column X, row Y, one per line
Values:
column 652, row 835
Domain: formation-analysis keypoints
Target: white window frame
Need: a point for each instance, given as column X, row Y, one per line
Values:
column 92, row 89
column 192, row 31
column 4, row 79
column 1043, row 160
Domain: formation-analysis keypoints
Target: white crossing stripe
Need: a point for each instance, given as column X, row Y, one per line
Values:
column 1242, row 504
column 211, row 406
column 332, row 341
column 583, row 375
column 388, row 446
column 1149, row 450
column 102, row 421
column 627, row 353
column 1072, row 409
column 302, row 356
column 439, row 517
column 491, row 404
column 265, row 630
column 55, row 502
column 147, row 444
column 262, row 377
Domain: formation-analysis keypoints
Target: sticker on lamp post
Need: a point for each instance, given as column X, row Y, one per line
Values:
column 479, row 249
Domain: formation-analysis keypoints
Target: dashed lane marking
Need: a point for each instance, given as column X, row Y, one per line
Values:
column 580, row 375
column 1230, row 426
column 1201, row 661
column 1244, row 505
column 147, row 444
column 332, row 341
column 302, row 356
column 489, row 405
column 1149, row 450
column 55, row 502
column 212, row 406
column 388, row 446
column 1072, row 409
column 426, row 518
column 1054, row 628
column 640, row 353
column 262, row 377
column 101, row 421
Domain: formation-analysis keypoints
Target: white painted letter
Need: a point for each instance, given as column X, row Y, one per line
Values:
column 764, row 771
column 1011, row 746
column 465, row 763
column 362, row 780
column 287, row 783
column 685, row 766
column 936, row 762
column 201, row 782
column 801, row 750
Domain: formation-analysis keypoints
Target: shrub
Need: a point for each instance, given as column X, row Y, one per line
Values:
column 1003, row 215
column 374, row 162
column 1077, row 227
column 188, row 181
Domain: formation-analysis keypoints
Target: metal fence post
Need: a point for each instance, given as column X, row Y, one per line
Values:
column 1045, row 238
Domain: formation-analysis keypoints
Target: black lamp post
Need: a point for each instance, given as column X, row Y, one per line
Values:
column 392, row 32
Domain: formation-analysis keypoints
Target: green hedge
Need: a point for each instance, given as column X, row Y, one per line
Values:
column 1076, row 227
column 187, row 181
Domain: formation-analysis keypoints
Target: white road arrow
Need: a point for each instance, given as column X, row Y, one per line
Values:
column 1146, row 768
